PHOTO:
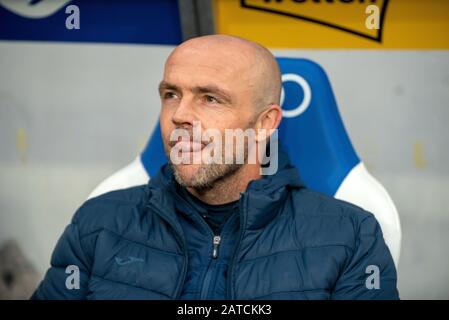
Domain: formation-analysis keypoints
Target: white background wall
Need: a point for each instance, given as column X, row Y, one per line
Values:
column 71, row 114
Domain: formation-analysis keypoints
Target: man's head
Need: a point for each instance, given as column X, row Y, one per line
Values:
column 220, row 82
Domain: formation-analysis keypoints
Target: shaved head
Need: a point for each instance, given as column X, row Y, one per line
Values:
column 255, row 66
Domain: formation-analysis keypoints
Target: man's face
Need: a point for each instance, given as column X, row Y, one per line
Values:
column 213, row 89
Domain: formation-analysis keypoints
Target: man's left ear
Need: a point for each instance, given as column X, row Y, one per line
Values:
column 268, row 120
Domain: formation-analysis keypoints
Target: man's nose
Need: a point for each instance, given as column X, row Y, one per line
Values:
column 184, row 114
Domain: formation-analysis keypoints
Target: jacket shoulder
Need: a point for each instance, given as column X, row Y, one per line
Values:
column 321, row 205
column 111, row 210
column 329, row 221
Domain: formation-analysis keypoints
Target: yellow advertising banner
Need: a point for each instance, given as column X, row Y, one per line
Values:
column 339, row 24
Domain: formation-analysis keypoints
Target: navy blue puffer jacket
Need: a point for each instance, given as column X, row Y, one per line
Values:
column 286, row 242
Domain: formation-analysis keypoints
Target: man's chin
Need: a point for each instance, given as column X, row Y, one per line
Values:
column 185, row 173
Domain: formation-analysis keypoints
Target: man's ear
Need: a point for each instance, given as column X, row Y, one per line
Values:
column 268, row 120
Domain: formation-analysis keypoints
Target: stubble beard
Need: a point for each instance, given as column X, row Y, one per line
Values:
column 206, row 176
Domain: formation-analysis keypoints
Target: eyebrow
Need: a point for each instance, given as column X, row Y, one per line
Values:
column 164, row 85
column 213, row 89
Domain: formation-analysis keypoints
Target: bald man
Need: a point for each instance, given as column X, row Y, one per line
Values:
column 212, row 224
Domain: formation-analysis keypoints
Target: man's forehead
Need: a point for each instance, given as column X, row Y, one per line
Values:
column 205, row 73
column 204, row 65
column 224, row 64
column 214, row 55
column 230, row 67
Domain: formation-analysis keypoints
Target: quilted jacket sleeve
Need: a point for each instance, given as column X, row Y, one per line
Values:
column 370, row 273
column 68, row 274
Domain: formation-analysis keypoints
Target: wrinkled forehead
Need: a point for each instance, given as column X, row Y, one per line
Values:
column 218, row 63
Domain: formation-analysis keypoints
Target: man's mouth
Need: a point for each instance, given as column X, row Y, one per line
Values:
column 189, row 145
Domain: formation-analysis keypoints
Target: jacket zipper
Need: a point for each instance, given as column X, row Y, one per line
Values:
column 207, row 278
column 216, row 241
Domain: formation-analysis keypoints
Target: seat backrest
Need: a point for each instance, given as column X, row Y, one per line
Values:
column 313, row 135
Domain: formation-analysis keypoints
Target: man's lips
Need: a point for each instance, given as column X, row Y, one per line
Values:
column 189, row 146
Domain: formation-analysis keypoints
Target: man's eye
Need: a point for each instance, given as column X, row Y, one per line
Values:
column 169, row 95
column 210, row 99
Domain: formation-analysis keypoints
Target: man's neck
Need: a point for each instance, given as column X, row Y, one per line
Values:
column 229, row 188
